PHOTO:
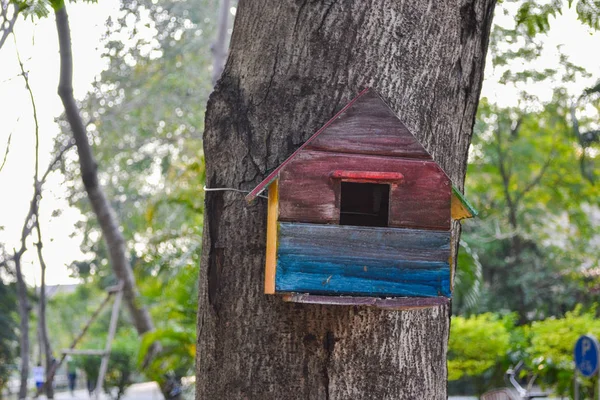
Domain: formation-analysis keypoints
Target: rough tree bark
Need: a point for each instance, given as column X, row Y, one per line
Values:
column 292, row 65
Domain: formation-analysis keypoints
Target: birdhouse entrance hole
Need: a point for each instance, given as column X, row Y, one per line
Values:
column 364, row 204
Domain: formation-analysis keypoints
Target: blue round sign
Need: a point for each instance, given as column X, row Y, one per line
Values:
column 586, row 355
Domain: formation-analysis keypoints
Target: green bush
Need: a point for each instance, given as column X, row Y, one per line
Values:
column 122, row 364
column 482, row 347
column 550, row 350
column 477, row 344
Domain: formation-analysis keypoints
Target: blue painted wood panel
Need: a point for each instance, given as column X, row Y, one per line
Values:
column 366, row 261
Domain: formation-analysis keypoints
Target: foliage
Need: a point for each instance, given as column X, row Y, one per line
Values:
column 67, row 313
column 535, row 15
column 178, row 338
column 477, row 344
column 468, row 280
column 482, row 347
column 144, row 117
column 534, row 245
column 91, row 364
column 550, row 351
column 122, row 363
column 8, row 331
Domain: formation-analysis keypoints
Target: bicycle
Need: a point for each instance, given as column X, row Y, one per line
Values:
column 517, row 392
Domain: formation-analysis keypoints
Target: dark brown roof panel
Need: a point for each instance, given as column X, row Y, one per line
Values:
column 369, row 127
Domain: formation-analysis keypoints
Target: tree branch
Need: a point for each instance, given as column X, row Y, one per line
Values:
column 6, row 152
column 506, row 176
column 537, row 179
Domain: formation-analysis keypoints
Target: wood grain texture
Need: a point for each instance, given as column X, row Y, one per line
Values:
column 330, row 275
column 363, row 243
column 395, row 303
column 275, row 173
column 346, row 260
column 369, row 126
column 308, row 193
column 271, row 257
column 368, row 176
column 292, row 65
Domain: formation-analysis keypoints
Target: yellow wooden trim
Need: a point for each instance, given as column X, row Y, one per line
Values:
column 272, row 216
column 458, row 209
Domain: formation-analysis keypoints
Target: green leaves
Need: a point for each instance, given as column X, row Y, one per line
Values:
column 483, row 346
column 477, row 344
column 535, row 16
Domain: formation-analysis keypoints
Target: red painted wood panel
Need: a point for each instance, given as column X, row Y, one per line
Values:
column 308, row 192
column 369, row 126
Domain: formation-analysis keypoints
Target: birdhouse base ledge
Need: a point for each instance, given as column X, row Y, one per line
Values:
column 393, row 303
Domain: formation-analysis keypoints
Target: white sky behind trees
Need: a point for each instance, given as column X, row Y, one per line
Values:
column 37, row 42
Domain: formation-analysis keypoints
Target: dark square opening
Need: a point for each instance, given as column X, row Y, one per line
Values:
column 364, row 204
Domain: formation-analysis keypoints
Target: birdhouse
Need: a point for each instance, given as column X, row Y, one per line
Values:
column 361, row 214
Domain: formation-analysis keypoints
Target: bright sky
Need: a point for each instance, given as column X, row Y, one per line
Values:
column 39, row 50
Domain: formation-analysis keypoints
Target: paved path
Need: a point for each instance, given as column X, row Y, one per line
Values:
column 150, row 391
column 139, row 391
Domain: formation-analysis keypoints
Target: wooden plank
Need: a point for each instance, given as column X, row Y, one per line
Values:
column 362, row 243
column 368, row 176
column 331, row 275
column 394, row 303
column 271, row 258
column 275, row 173
column 308, row 193
column 323, row 259
column 369, row 127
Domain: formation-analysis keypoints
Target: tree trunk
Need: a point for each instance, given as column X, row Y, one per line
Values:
column 43, row 326
column 24, row 327
column 107, row 218
column 89, row 174
column 292, row 65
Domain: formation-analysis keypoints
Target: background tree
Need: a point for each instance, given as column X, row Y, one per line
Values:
column 531, row 174
column 291, row 67
column 144, row 116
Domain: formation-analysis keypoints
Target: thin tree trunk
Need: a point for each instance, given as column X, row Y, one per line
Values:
column 24, row 326
column 33, row 220
column 45, row 340
column 40, row 341
column 292, row 65
column 24, row 306
column 102, row 208
column 107, row 218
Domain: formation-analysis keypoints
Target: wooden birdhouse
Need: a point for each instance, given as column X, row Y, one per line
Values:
column 361, row 214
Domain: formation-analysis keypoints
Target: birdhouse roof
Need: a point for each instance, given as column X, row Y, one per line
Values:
column 388, row 136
